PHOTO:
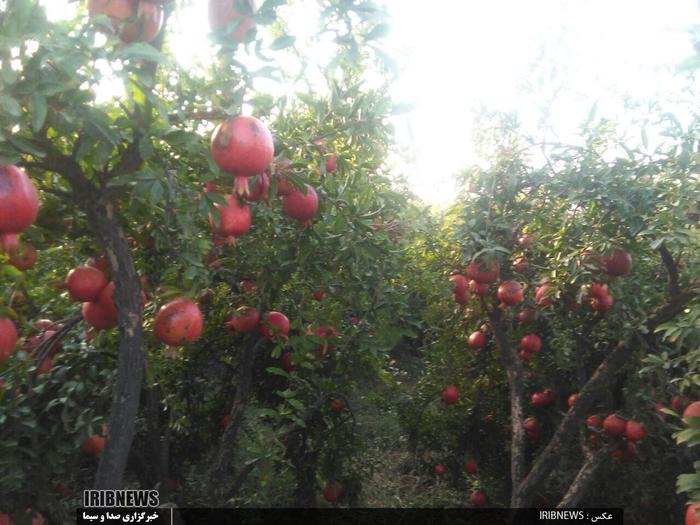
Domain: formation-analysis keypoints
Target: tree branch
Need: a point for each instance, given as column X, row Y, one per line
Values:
column 586, row 476
column 672, row 270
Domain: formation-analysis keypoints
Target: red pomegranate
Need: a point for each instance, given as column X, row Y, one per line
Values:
column 106, row 299
column 510, row 293
column 235, row 219
column 319, row 295
column 275, row 324
column 461, row 298
column 248, row 287
column 619, row 263
column 594, row 421
column 23, row 257
column 101, row 263
column 525, row 240
column 478, row 498
column 521, row 264
column 450, row 394
column 531, row 425
column 46, row 324
column 332, row 492
column 526, row 316
column 5, row 519
column 85, row 283
column 300, row 206
column 477, row 340
column 471, row 466
column 92, row 446
column 286, row 360
column 476, row 272
column 149, row 18
column 8, row 339
column 692, row 410
column 478, row 288
column 572, row 400
column 245, row 319
column 439, row 470
column 678, row 403
column 223, row 13
column 634, row 431
column 332, row 163
column 531, row 343
column 98, row 317
column 19, row 201
column 261, row 188
column 544, row 295
column 325, row 333
column 460, row 284
column 8, row 242
column 44, row 367
column 225, row 422
column 178, row 322
column 692, row 515
column 336, row 406
column 243, row 147
column 614, row 425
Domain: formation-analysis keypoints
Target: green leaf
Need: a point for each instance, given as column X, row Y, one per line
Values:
column 38, row 107
column 378, row 31
column 141, row 51
column 25, row 145
column 296, row 404
column 283, row 42
column 10, row 106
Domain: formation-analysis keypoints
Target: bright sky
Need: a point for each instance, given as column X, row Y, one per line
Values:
column 458, row 55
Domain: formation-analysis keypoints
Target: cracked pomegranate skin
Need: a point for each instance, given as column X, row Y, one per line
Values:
column 19, row 201
column 178, row 322
column 242, row 146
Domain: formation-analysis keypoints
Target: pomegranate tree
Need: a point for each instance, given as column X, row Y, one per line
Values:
column 243, row 147
column 178, row 322
column 301, row 206
column 19, row 202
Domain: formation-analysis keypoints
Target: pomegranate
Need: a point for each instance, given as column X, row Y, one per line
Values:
column 8, row 339
column 594, row 421
column 599, row 297
column 572, row 400
column 531, row 343
column 540, row 399
column 325, row 332
column 19, row 201
column 46, row 324
column 525, row 240
column 275, row 324
column 659, row 407
column 23, row 257
column 477, row 340
column 460, row 284
column 487, row 276
column 101, row 263
column 8, row 242
column 223, row 13
column 439, row 470
column 614, row 425
column 678, row 403
column 178, row 322
column 510, row 293
column 85, row 283
column 261, row 188
column 336, row 406
column 5, row 519
column 692, row 410
column 319, row 295
column 544, row 294
column 332, row 492
column 225, row 422
column 471, row 466
column 286, row 360
column 478, row 498
column 245, row 319
column 106, row 299
column 331, row 163
column 247, row 287
column 461, row 298
column 44, row 367
column 242, row 146
column 521, row 264
column 525, row 356
column 526, row 316
column 450, row 394
column 477, row 288
column 619, row 263
column 692, row 515
column 92, row 446
column 149, row 18
column 531, row 425
column 300, row 206
column 234, row 219
column 98, row 317
column 634, row 431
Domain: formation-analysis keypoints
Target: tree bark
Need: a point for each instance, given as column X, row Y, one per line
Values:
column 585, row 477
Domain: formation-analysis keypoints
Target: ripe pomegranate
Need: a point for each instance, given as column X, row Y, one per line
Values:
column 526, row 316
column 525, row 240
column 331, row 163
column 614, row 425
column 510, row 293
column 46, row 324
column 540, row 399
column 245, row 319
column 223, row 13
column 225, row 422
column 300, row 206
column 634, row 431
column 531, row 425
column 106, row 299
column 248, row 287
column 325, row 332
column 319, row 295
column 544, row 294
column 659, row 407
column 149, row 18
column 460, row 284
column 8, row 339
column 34, row 342
column 92, row 446
column 692, row 515
column 235, row 219
column 477, row 288
column 8, row 242
column 619, row 263
column 594, row 421
column 101, row 263
column 692, row 410
column 23, row 257
column 484, row 276
column 525, row 356
column 461, row 298
column 332, row 492
column 242, row 146
column 5, row 519
column 44, row 367
column 19, row 201
column 471, row 466
column 477, row 340
column 98, row 317
column 286, row 360
column 531, row 343
column 572, row 400
column 450, row 394
column 678, row 403
column 275, row 325
column 261, row 188
column 439, row 470
column 478, row 498
column 336, row 406
column 85, row 283
column 178, row 322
